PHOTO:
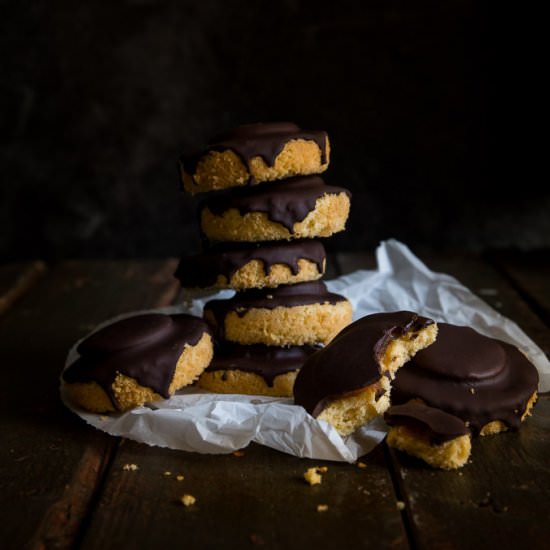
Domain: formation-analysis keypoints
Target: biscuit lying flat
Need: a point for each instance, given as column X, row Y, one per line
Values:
column 487, row 383
column 301, row 207
column 137, row 360
column 289, row 315
column 251, row 265
column 255, row 370
column 255, row 153
column 439, row 438
column 347, row 383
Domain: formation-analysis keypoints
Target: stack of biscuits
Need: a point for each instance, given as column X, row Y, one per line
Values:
column 263, row 209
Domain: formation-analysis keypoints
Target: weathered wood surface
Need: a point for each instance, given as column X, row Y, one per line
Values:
column 503, row 495
column 260, row 498
column 16, row 280
column 62, row 484
column 50, row 461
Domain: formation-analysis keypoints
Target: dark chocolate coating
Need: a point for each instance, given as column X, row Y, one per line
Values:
column 265, row 361
column 265, row 140
column 440, row 426
column 299, row 294
column 145, row 347
column 203, row 270
column 466, row 374
column 286, row 202
column 351, row 361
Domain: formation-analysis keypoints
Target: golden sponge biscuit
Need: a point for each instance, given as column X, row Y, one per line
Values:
column 254, row 369
column 347, row 383
column 438, row 438
column 297, row 208
column 304, row 313
column 253, row 154
column 138, row 360
column 485, row 382
column 253, row 265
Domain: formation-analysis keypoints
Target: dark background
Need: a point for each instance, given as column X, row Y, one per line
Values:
column 98, row 99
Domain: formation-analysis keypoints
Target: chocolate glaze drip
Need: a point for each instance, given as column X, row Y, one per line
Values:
column 351, row 361
column 145, row 348
column 286, row 202
column 265, row 361
column 466, row 374
column 265, row 140
column 203, row 270
column 440, row 426
column 299, row 294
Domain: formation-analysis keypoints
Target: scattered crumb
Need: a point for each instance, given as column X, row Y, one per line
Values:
column 322, row 507
column 361, row 465
column 312, row 476
column 400, row 505
column 103, row 418
column 188, row 500
column 322, row 469
column 238, row 453
column 488, row 291
column 472, row 391
column 180, row 477
column 269, row 296
column 167, row 473
column 130, row 467
column 460, row 473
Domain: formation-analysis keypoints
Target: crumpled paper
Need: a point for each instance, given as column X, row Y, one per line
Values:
column 204, row 422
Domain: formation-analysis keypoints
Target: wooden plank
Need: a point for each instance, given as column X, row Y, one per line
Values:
column 257, row 499
column 50, row 461
column 260, row 499
column 530, row 275
column 17, row 279
column 502, row 498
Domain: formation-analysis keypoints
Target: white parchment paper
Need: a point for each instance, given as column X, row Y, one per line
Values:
column 204, row 422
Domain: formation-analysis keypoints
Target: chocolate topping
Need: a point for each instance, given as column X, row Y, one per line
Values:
column 351, row 361
column 466, row 374
column 145, row 348
column 265, row 140
column 440, row 425
column 265, row 361
column 299, row 294
column 203, row 270
column 286, row 202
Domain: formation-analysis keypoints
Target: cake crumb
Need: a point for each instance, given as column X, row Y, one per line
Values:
column 167, row 473
column 312, row 476
column 472, row 391
column 103, row 418
column 188, row 500
column 361, row 465
column 130, row 467
column 322, row 469
column 322, row 507
column 180, row 477
column 238, row 453
column 400, row 505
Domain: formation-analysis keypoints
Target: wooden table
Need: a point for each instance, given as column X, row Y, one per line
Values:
column 63, row 484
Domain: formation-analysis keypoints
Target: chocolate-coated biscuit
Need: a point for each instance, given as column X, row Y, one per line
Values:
column 301, row 207
column 255, row 153
column 347, row 383
column 137, row 360
column 487, row 383
column 304, row 313
column 253, row 265
column 438, row 438
column 255, row 369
